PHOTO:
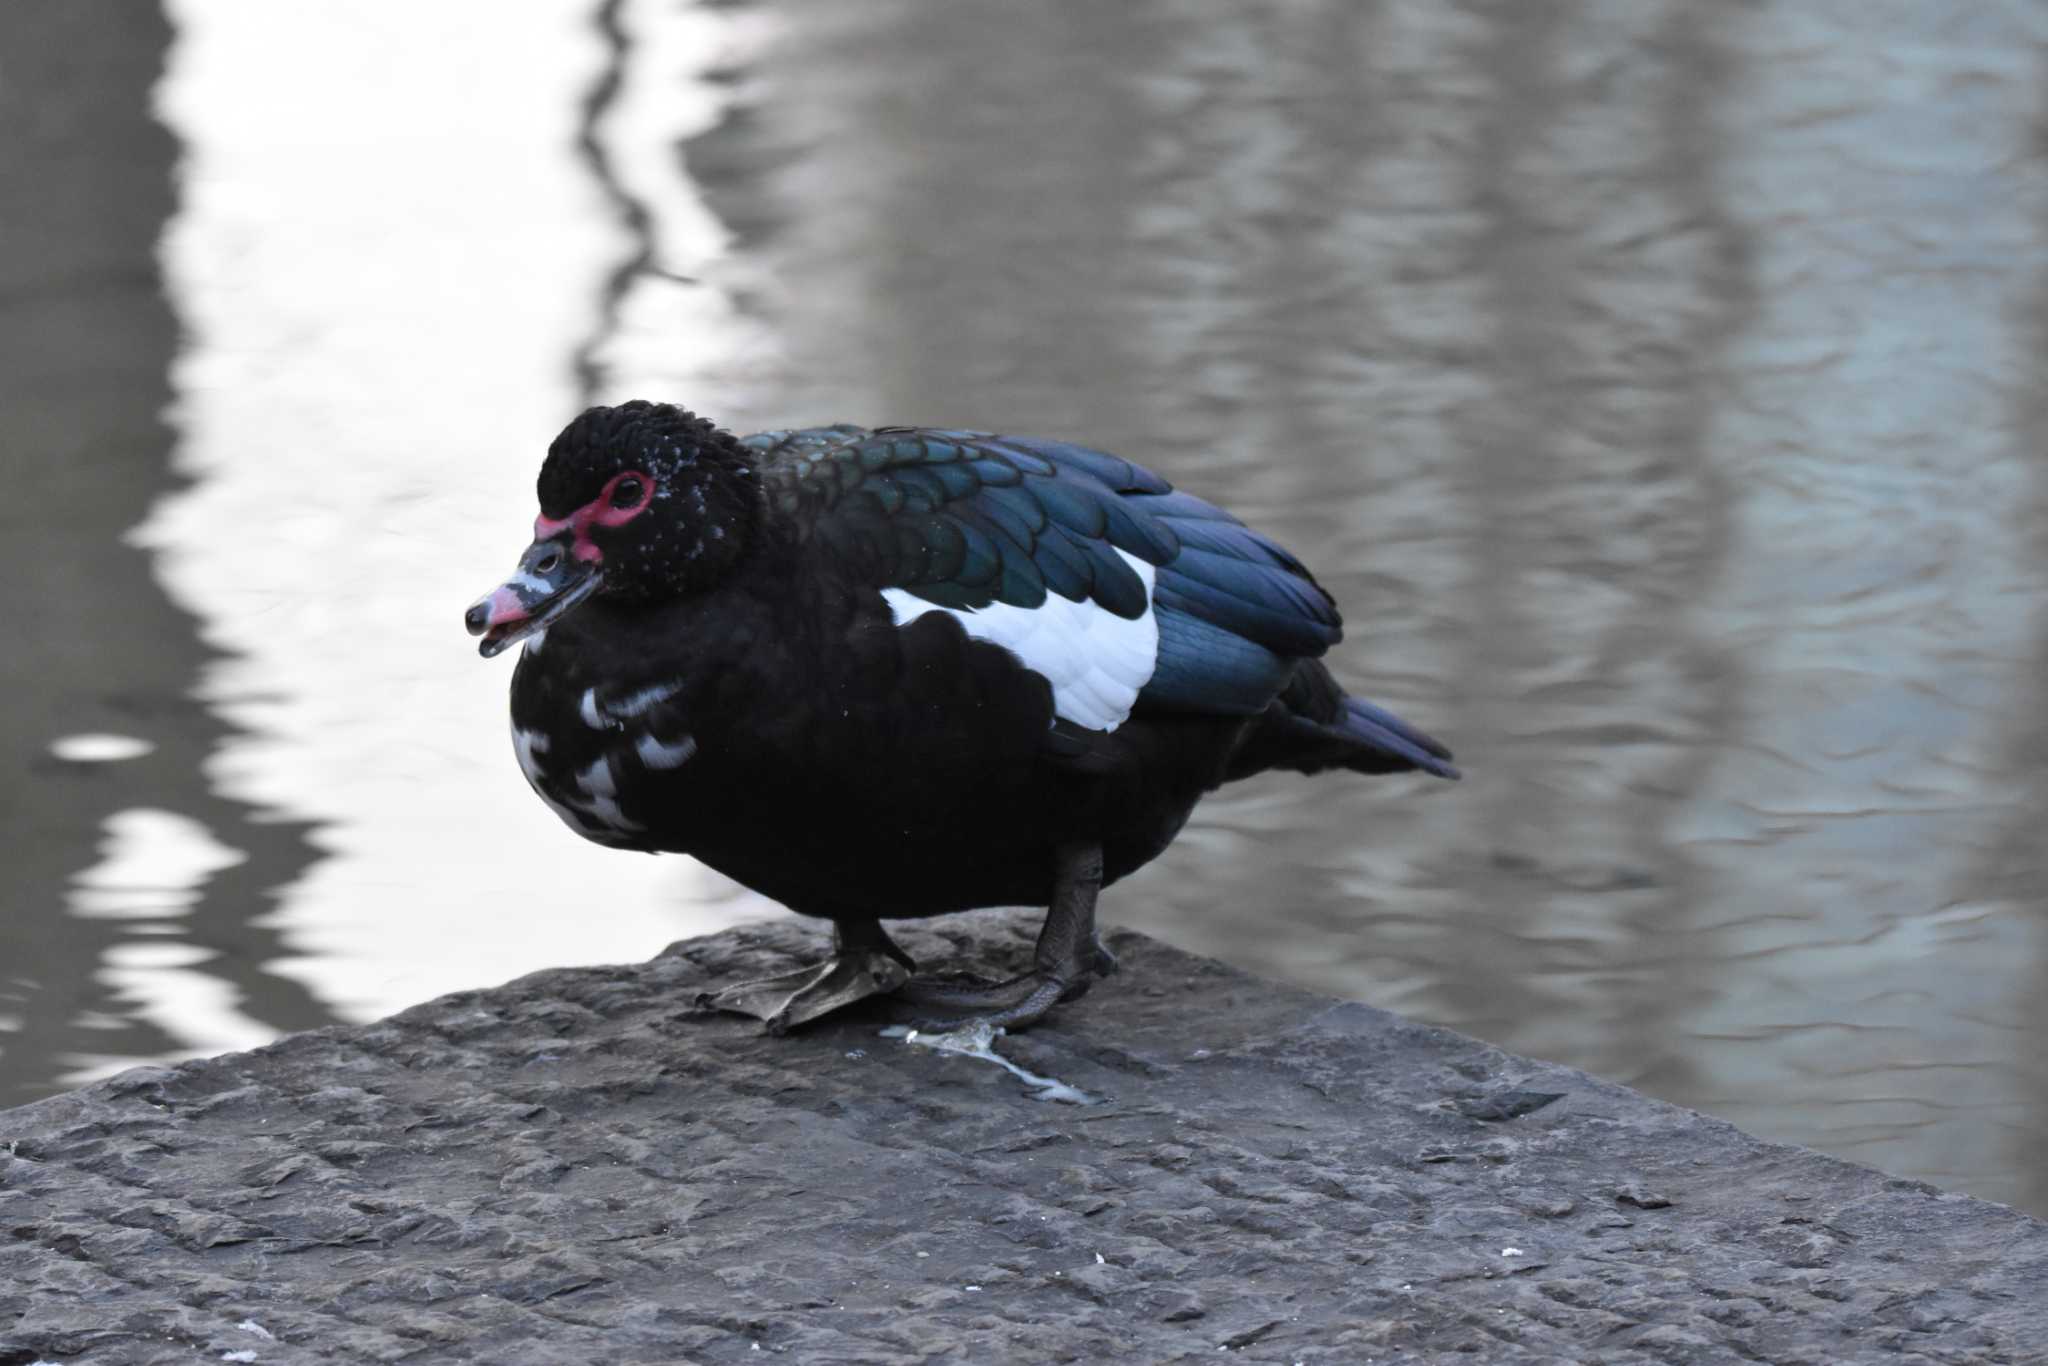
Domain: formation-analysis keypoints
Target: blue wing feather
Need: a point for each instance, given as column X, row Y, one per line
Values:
column 1068, row 572
column 1268, row 605
column 1206, row 668
column 964, row 519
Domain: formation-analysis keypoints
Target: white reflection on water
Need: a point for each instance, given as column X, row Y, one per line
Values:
column 385, row 260
column 672, row 329
column 153, row 864
column 160, row 981
column 97, row 748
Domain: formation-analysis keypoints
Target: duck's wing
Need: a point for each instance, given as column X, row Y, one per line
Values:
column 1092, row 570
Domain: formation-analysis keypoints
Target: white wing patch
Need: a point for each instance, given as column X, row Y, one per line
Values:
column 1096, row 661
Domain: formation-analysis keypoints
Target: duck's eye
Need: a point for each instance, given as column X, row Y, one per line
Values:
column 626, row 493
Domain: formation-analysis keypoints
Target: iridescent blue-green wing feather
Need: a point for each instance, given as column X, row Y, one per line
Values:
column 965, row 520
column 970, row 521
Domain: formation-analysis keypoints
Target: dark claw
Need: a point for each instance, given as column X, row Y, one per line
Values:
column 1069, row 957
column 966, row 993
column 1104, row 962
column 1044, row 995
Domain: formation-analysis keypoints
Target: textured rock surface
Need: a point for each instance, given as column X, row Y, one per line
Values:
column 579, row 1166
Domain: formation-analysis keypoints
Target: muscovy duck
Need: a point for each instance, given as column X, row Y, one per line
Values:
column 898, row 672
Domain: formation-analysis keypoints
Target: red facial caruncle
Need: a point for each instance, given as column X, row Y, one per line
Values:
column 615, row 505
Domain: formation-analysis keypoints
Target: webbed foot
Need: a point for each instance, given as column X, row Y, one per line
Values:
column 974, row 994
column 1066, row 963
column 864, row 963
column 1013, row 1004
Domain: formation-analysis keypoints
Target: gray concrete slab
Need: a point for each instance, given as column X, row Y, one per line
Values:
column 581, row 1166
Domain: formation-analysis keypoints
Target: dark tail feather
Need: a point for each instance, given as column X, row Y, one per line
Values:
column 1388, row 733
column 1355, row 734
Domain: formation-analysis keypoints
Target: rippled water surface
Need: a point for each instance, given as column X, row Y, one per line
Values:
column 1657, row 385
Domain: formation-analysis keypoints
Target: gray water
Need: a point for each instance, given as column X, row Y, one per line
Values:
column 1656, row 384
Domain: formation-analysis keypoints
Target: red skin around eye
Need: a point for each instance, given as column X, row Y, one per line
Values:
column 597, row 512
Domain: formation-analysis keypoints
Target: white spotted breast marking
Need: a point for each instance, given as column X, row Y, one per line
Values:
column 656, row 754
column 601, row 793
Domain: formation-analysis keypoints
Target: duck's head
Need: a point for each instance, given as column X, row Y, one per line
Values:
column 638, row 503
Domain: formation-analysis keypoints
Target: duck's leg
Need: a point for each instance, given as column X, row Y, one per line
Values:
column 1067, row 961
column 865, row 962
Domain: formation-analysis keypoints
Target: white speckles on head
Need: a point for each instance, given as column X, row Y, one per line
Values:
column 587, row 709
column 656, row 754
column 1096, row 661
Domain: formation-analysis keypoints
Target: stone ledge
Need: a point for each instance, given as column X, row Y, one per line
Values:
column 579, row 1166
